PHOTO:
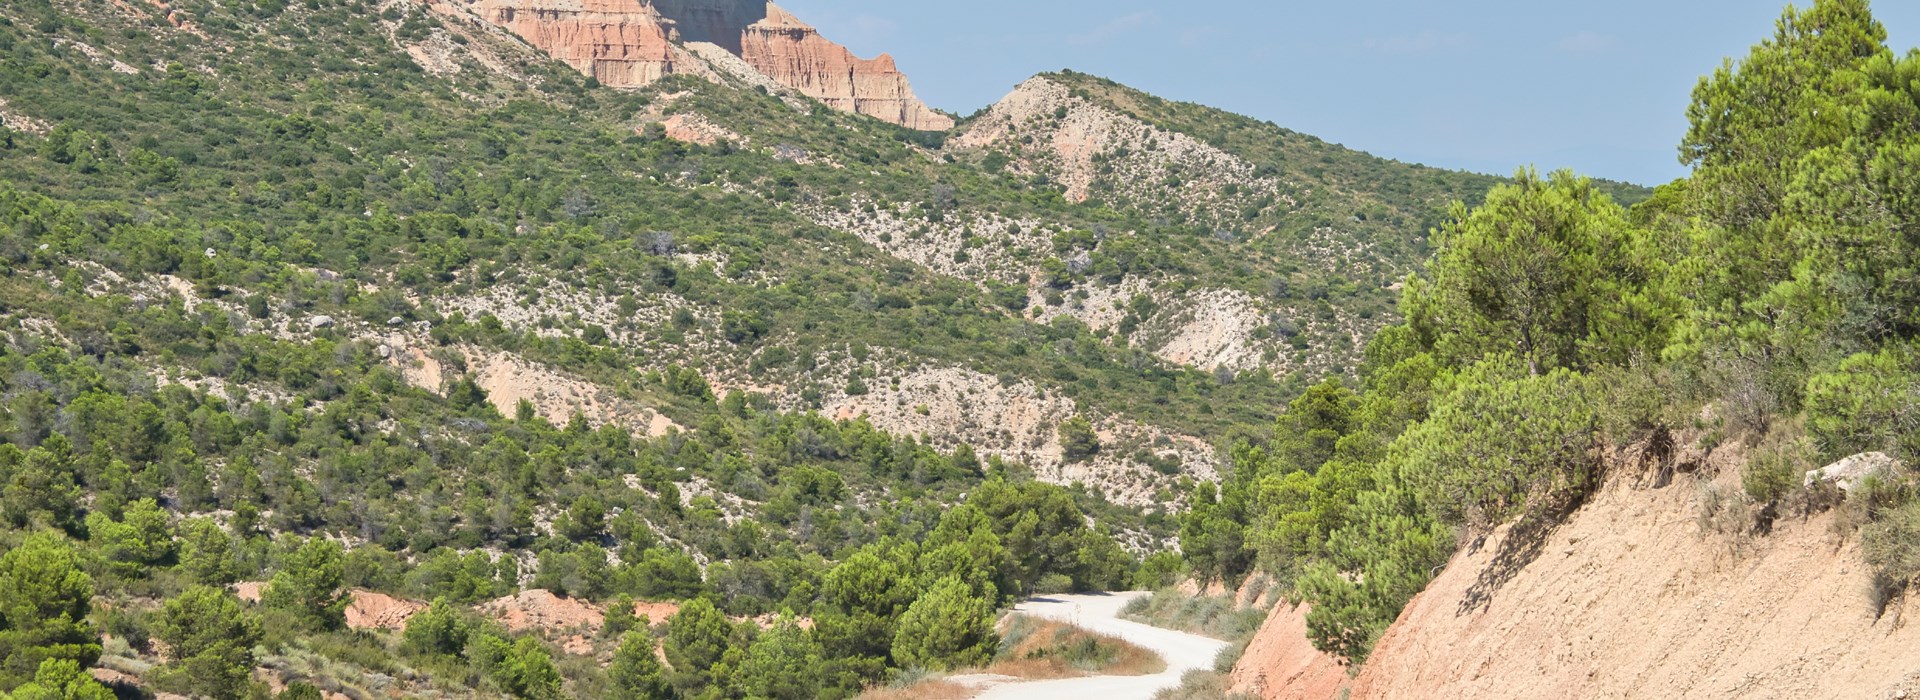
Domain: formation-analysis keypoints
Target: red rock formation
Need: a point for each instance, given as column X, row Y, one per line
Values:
column 718, row 22
column 631, row 43
column 795, row 54
column 622, row 43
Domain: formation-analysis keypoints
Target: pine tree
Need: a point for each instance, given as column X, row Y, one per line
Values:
column 43, row 612
column 1548, row 269
column 135, row 544
column 212, row 640
column 635, row 673
column 697, row 644
column 440, row 629
column 947, row 628
column 784, row 663
column 309, row 584
column 206, row 552
column 61, row 679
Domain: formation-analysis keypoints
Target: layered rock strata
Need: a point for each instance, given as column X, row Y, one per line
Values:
column 782, row 46
column 632, row 43
column 621, row 43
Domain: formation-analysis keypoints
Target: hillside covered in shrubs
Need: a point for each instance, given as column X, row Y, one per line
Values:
column 1768, row 299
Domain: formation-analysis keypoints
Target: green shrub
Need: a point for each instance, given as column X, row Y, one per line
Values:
column 1776, row 470
column 1078, row 442
column 1891, row 545
column 308, row 585
column 946, row 628
column 440, row 629
column 1214, row 616
column 1870, row 403
column 1054, row 584
column 1498, row 438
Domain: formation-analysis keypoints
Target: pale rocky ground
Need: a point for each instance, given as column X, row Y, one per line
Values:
column 1102, row 308
column 897, row 230
column 1098, row 153
column 1207, row 329
column 1017, row 422
column 946, row 406
column 20, row 122
column 694, row 128
column 509, row 379
column 98, row 56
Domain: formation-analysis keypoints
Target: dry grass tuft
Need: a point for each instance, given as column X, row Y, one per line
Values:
column 1035, row 649
column 933, row 689
column 1031, row 647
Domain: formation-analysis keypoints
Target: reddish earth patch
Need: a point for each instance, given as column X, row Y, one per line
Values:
column 543, row 611
column 366, row 610
column 379, row 611
column 577, row 645
column 655, row 613
column 1280, row 664
column 1629, row 598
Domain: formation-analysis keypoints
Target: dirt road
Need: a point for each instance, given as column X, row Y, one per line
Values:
column 1099, row 613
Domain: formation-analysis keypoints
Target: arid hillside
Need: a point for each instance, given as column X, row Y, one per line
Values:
column 1636, row 594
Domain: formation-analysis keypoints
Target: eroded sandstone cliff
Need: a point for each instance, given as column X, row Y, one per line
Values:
column 795, row 54
column 631, row 43
column 622, row 43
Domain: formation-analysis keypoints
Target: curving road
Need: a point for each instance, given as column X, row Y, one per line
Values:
column 1100, row 613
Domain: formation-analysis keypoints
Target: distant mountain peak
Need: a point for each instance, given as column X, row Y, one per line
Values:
column 632, row 43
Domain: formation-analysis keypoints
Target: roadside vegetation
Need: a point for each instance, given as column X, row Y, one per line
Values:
column 1769, row 299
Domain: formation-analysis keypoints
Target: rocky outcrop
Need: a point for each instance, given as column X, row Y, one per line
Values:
column 621, row 43
column 793, row 53
column 1019, row 421
column 1096, row 152
column 632, row 43
column 1207, row 329
column 1848, row 473
column 21, row 122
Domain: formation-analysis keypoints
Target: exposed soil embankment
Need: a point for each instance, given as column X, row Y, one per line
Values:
column 1280, row 664
column 1629, row 598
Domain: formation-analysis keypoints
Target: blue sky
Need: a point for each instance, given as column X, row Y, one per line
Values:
column 1601, row 87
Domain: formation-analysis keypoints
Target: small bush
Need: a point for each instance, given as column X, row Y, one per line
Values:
column 1212, row 616
column 1777, row 470
column 1635, row 402
column 1035, row 648
column 1724, row 512
column 1077, row 439
column 1054, row 584
column 1202, row 685
column 1891, row 545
